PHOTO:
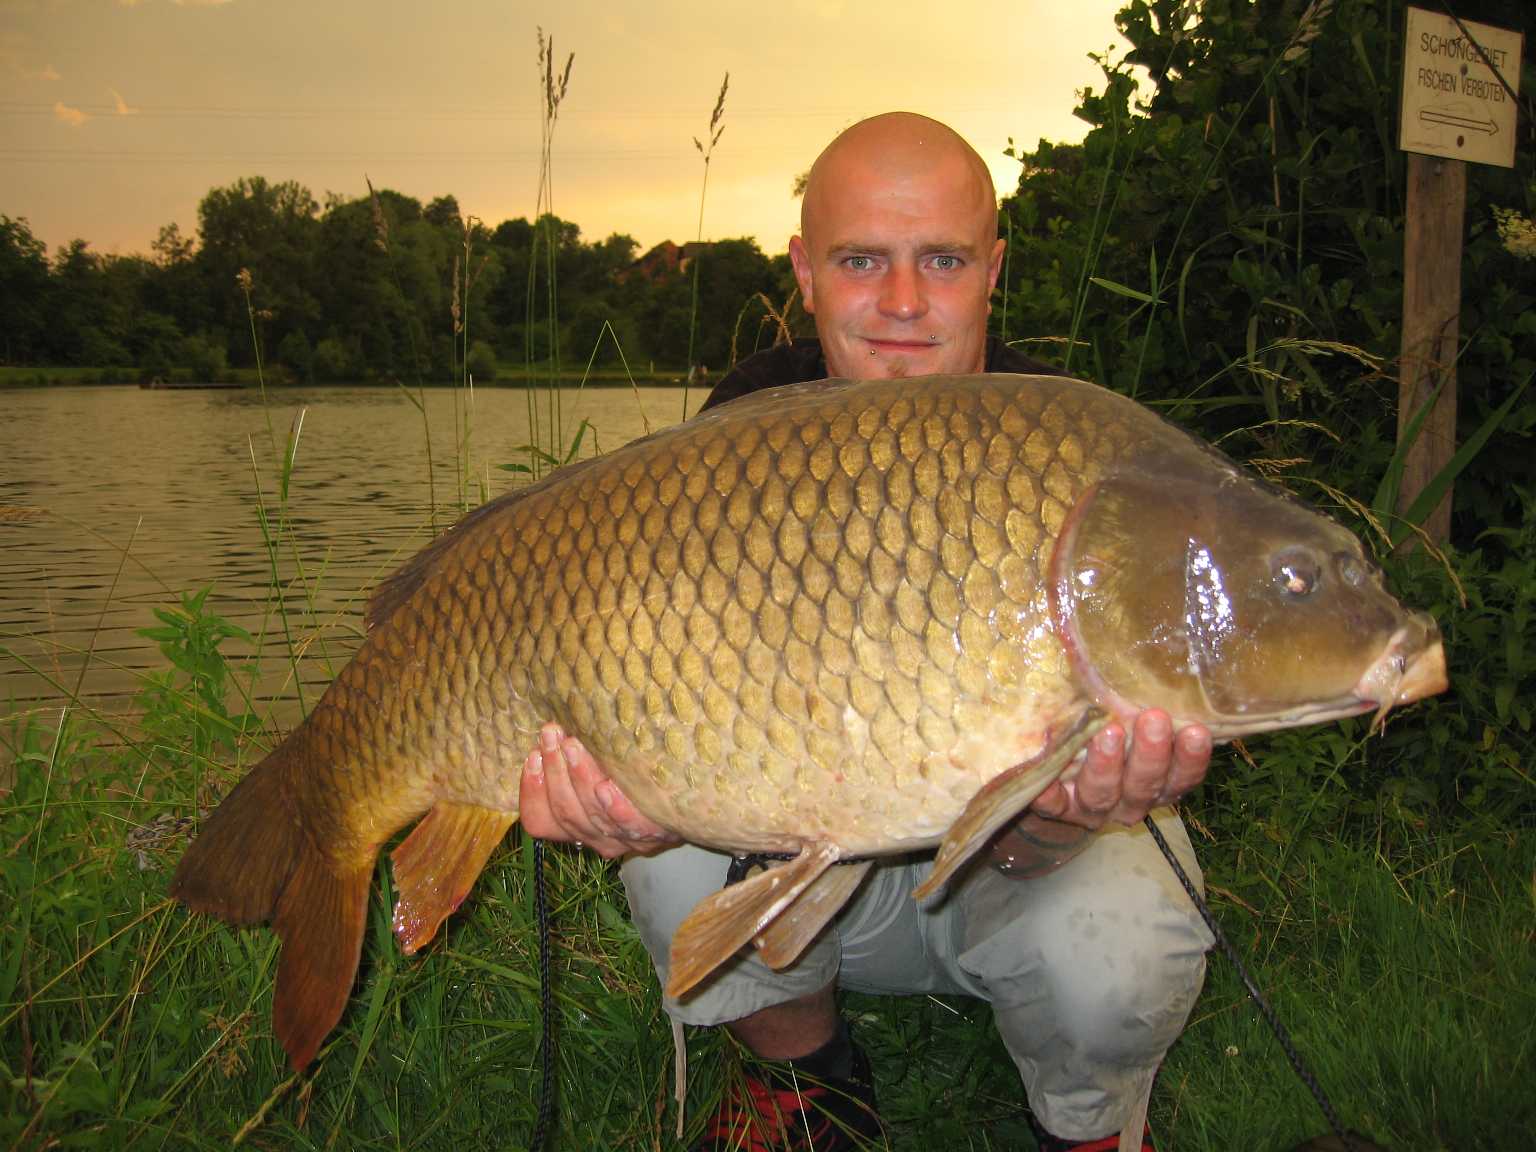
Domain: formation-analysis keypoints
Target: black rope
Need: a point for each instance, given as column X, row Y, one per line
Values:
column 1281, row 1034
column 546, row 1006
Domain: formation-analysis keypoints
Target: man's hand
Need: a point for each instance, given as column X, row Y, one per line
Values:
column 566, row 796
column 1120, row 787
column 1110, row 787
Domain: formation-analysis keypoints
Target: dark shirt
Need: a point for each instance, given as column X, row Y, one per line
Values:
column 802, row 360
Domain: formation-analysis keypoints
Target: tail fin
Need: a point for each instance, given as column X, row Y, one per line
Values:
column 253, row 861
column 244, row 854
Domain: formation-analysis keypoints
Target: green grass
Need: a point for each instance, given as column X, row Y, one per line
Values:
column 1403, row 964
column 507, row 375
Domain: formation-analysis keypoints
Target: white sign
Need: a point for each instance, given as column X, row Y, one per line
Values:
column 1453, row 103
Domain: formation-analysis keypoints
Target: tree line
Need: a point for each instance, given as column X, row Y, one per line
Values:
column 376, row 287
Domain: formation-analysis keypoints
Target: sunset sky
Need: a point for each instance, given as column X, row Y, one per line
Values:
column 119, row 115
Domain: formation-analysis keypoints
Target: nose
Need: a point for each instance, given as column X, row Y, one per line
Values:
column 901, row 292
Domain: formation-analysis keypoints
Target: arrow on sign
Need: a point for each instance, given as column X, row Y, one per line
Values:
column 1436, row 116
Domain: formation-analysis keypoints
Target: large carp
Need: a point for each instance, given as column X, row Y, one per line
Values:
column 833, row 620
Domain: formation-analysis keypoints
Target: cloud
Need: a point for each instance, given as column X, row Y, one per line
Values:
column 121, row 105
column 71, row 116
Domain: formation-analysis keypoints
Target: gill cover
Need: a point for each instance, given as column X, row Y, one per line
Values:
column 1204, row 592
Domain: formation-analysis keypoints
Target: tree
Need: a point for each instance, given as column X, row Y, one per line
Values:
column 24, row 292
column 269, row 229
column 444, row 213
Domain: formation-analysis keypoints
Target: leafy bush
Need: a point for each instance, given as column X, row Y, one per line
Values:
column 482, row 362
column 204, row 359
column 333, row 361
column 184, row 706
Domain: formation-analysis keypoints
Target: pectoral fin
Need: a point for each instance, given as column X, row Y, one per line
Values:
column 439, row 862
column 1004, row 797
column 781, row 943
column 724, row 922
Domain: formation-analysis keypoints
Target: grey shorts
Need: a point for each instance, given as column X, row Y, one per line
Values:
column 1091, row 970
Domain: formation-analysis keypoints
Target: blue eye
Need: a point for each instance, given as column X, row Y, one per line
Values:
column 860, row 263
column 946, row 263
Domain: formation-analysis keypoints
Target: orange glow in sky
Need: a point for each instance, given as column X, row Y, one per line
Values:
column 119, row 116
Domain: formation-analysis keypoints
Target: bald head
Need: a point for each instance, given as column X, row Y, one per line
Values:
column 893, row 150
column 898, row 250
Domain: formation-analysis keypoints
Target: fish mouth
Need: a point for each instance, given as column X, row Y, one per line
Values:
column 1412, row 668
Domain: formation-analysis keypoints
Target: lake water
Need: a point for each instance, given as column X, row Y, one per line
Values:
column 115, row 501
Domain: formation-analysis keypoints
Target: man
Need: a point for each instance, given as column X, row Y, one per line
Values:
column 1078, row 934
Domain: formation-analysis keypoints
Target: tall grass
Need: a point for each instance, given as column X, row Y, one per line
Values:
column 712, row 134
column 1404, row 967
column 550, row 427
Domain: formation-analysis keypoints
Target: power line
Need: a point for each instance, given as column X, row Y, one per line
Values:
column 532, row 115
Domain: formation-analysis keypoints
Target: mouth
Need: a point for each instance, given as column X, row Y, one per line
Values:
column 899, row 346
column 1412, row 668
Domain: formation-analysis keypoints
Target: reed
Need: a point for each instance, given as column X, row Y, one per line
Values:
column 712, row 134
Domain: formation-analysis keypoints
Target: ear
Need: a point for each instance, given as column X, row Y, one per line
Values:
column 801, row 259
column 995, row 264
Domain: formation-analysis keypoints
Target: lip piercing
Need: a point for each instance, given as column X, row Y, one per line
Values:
column 933, row 338
column 871, row 351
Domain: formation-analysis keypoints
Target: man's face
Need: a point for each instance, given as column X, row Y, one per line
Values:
column 897, row 264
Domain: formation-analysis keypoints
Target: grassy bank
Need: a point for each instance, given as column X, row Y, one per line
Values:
column 13, row 376
column 1402, row 959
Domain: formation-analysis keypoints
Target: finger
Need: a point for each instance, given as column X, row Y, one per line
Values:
column 1191, row 759
column 632, row 824
column 1053, row 803
column 1148, row 764
column 533, row 802
column 585, row 776
column 579, row 821
column 1099, row 783
column 603, row 802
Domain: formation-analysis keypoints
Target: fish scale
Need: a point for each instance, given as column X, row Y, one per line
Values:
column 838, row 619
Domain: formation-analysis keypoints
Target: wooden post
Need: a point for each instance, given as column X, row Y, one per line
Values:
column 1436, row 212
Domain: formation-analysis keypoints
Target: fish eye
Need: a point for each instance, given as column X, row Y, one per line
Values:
column 1352, row 570
column 1296, row 572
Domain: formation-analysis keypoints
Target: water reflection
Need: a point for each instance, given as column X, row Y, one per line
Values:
column 149, row 494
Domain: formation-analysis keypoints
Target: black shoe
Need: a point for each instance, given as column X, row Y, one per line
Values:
column 778, row 1107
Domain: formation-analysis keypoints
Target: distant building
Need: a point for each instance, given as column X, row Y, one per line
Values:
column 664, row 260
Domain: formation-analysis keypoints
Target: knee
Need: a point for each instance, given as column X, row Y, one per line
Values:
column 1118, row 999
column 1106, row 979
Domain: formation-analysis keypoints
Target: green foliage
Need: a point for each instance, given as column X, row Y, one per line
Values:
column 482, row 362
column 295, row 354
column 202, row 358
column 185, row 706
column 24, row 290
column 334, row 360
column 1249, row 201
column 333, row 303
